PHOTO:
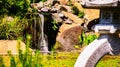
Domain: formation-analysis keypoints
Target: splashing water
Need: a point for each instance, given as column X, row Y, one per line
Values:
column 43, row 45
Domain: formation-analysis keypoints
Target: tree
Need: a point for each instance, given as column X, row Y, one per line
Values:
column 14, row 7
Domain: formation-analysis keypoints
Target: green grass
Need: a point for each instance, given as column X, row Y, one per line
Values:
column 55, row 59
column 62, row 59
column 109, row 61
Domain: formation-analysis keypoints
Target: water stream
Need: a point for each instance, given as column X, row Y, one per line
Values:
column 43, row 45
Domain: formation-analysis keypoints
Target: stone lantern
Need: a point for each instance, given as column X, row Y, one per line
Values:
column 109, row 29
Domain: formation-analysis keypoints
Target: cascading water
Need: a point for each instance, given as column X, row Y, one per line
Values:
column 43, row 43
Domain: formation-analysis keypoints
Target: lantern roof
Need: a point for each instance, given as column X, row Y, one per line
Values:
column 100, row 3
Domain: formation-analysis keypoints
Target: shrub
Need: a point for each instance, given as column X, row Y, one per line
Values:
column 14, row 7
column 25, row 59
column 75, row 10
column 85, row 40
column 12, row 28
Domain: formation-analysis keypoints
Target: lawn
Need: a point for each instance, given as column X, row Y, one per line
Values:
column 59, row 59
column 109, row 61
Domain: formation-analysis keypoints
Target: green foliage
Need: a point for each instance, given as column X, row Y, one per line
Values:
column 1, row 62
column 14, row 7
column 12, row 28
column 80, row 14
column 44, row 0
column 25, row 59
column 55, row 25
column 83, row 39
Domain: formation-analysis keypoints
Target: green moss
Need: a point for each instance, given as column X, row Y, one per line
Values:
column 109, row 61
column 61, row 59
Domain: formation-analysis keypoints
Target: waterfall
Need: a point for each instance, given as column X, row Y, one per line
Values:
column 43, row 45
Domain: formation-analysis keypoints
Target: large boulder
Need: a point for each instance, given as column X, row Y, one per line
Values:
column 68, row 36
column 12, row 46
column 67, row 39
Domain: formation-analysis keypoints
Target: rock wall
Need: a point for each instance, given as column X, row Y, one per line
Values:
column 71, row 24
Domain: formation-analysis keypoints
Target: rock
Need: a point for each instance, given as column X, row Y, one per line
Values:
column 70, row 29
column 37, row 5
column 9, row 19
column 53, row 10
column 91, row 14
column 56, row 17
column 91, row 18
column 68, row 21
column 61, row 15
column 63, row 2
column 73, row 17
column 67, row 8
column 78, row 5
column 11, row 45
column 44, row 9
column 48, row 2
column 68, row 36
